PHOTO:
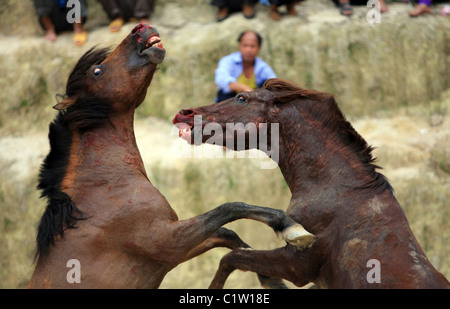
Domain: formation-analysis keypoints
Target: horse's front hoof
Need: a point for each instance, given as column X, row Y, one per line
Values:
column 297, row 236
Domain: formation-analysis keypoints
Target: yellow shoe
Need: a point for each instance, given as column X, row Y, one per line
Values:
column 116, row 24
column 80, row 38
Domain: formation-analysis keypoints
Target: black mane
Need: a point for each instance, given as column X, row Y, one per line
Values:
column 324, row 108
column 88, row 111
column 77, row 79
column 61, row 213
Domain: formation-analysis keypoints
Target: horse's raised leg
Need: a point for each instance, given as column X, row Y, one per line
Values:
column 278, row 263
column 178, row 240
column 291, row 231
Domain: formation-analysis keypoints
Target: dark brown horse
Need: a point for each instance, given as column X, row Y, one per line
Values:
column 105, row 224
column 363, row 239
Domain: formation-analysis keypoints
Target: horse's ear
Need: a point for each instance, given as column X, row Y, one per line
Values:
column 66, row 103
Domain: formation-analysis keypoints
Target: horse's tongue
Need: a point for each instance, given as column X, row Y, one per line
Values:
column 184, row 132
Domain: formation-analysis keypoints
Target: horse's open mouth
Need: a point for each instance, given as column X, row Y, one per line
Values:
column 191, row 126
column 184, row 131
column 184, row 121
column 153, row 41
column 148, row 42
column 187, row 128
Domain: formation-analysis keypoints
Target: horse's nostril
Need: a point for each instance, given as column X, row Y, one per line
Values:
column 187, row 112
column 135, row 29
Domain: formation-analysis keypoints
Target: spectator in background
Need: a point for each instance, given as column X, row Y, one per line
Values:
column 52, row 16
column 121, row 11
column 226, row 7
column 423, row 7
column 242, row 70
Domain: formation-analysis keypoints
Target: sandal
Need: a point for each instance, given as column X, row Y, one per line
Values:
column 80, row 38
column 116, row 24
column 345, row 9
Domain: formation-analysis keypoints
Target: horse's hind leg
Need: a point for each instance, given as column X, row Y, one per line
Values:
column 278, row 263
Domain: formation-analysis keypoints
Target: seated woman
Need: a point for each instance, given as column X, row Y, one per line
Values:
column 242, row 70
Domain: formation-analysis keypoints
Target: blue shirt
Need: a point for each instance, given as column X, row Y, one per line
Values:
column 231, row 67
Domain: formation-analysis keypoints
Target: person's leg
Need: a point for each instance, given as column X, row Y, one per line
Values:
column 223, row 9
column 80, row 33
column 291, row 7
column 111, row 8
column 114, row 13
column 345, row 8
column 273, row 10
column 142, row 10
column 50, row 32
column 422, row 7
column 219, row 3
column 44, row 9
column 383, row 6
column 248, row 8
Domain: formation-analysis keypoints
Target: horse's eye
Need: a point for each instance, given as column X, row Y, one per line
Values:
column 97, row 70
column 241, row 99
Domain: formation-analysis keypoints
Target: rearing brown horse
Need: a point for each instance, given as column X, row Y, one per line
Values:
column 103, row 217
column 363, row 239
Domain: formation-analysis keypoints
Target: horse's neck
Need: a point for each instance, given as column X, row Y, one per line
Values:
column 106, row 151
column 116, row 136
column 311, row 164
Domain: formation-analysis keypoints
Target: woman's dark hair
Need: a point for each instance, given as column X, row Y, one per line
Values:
column 258, row 36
